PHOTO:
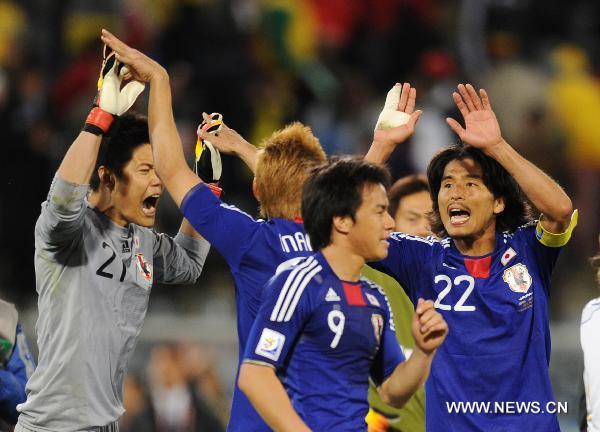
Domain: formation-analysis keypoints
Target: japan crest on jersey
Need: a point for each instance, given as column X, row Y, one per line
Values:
column 377, row 321
column 143, row 266
column 517, row 277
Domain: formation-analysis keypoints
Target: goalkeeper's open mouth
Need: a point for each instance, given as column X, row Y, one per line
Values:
column 149, row 205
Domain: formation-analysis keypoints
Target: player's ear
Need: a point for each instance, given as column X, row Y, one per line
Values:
column 499, row 205
column 106, row 177
column 255, row 190
column 342, row 224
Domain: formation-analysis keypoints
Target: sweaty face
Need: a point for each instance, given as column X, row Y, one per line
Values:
column 467, row 207
column 372, row 225
column 412, row 214
column 136, row 196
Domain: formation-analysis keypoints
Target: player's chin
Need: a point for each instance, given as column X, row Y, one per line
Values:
column 380, row 253
column 145, row 220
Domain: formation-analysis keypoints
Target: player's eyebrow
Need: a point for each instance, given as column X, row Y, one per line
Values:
column 470, row 176
column 413, row 213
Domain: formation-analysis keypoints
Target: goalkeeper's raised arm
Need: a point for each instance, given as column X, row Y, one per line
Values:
column 169, row 160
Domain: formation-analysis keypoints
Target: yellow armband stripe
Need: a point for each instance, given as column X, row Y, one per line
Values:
column 549, row 239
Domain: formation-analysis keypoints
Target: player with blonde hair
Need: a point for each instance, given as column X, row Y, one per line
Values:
column 253, row 249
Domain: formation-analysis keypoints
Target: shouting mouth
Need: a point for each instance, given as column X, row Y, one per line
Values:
column 459, row 216
column 149, row 205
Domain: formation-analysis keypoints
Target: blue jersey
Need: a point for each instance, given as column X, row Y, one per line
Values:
column 497, row 351
column 325, row 337
column 253, row 249
column 13, row 378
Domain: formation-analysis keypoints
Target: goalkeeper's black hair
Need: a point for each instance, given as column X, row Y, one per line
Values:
column 128, row 132
column 517, row 210
column 335, row 189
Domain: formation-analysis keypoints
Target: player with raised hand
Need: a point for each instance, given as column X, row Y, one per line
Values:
column 396, row 122
column 323, row 330
column 96, row 259
column 489, row 276
column 253, row 249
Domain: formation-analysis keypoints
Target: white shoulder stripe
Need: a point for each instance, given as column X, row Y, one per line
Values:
column 430, row 240
column 294, row 287
column 299, row 292
column 234, row 208
column 288, row 281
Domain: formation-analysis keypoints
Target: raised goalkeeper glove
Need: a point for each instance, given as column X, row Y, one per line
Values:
column 111, row 100
column 208, row 159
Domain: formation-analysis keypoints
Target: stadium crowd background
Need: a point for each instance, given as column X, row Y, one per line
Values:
column 328, row 63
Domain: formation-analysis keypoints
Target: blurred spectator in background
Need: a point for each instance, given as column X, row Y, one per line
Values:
column 16, row 365
column 198, row 363
column 575, row 103
column 177, row 404
column 139, row 415
column 590, row 343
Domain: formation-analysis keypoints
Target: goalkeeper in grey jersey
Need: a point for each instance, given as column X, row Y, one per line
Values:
column 96, row 259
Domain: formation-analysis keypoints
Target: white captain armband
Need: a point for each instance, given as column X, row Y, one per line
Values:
column 549, row 239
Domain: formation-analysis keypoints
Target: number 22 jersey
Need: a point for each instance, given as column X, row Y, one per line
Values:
column 491, row 373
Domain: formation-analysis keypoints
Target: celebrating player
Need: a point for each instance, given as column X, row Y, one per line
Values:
column 325, row 329
column 252, row 248
column 96, row 261
column 410, row 206
column 489, row 276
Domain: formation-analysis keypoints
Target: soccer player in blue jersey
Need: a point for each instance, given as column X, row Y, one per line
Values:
column 489, row 275
column 252, row 248
column 322, row 329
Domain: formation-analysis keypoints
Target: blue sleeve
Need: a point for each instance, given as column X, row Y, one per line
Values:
column 406, row 255
column 544, row 245
column 13, row 379
column 390, row 354
column 283, row 313
column 226, row 228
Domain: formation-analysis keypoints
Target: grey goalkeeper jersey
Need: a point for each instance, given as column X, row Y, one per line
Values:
column 93, row 280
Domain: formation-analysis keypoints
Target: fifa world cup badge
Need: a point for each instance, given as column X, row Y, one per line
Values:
column 517, row 277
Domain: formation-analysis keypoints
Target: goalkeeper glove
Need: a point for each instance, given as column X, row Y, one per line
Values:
column 111, row 100
column 208, row 159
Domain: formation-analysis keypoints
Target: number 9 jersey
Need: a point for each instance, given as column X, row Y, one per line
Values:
column 491, row 373
column 325, row 337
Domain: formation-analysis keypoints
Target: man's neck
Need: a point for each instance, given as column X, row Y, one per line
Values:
column 103, row 202
column 477, row 245
column 345, row 264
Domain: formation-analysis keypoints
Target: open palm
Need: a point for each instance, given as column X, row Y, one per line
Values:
column 400, row 99
column 481, row 125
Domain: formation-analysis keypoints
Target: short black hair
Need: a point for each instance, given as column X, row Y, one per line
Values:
column 335, row 189
column 495, row 177
column 128, row 132
column 403, row 187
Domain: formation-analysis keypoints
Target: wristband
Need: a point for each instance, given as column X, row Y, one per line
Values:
column 98, row 120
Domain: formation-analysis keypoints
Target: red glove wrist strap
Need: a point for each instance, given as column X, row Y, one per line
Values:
column 100, row 118
column 214, row 187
